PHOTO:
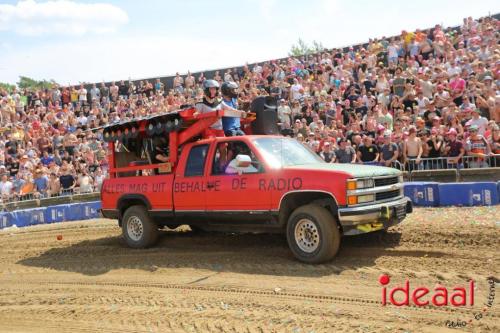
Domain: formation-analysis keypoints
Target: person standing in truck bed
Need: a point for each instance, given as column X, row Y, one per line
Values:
column 231, row 125
column 211, row 103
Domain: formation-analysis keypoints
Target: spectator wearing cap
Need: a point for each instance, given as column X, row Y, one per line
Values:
column 367, row 152
column 454, row 149
column 327, row 154
column 345, row 153
column 436, row 123
column 477, row 120
column 312, row 142
column 477, row 147
column 389, row 152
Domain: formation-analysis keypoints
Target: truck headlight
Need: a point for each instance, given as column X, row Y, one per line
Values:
column 366, row 198
column 360, row 199
column 400, row 179
column 356, row 184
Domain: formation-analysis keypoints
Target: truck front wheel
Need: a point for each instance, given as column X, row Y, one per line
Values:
column 312, row 234
column 138, row 229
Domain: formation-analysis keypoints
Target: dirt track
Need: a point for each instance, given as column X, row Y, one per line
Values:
column 90, row 281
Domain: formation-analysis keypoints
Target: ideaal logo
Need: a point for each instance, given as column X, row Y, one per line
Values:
column 439, row 296
column 423, row 296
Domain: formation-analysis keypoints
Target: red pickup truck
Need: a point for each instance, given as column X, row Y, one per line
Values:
column 264, row 183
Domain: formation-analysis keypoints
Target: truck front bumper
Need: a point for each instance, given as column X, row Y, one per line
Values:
column 358, row 220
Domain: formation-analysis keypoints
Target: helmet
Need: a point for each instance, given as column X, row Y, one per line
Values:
column 209, row 84
column 229, row 89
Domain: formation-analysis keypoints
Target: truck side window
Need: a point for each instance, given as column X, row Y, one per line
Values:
column 227, row 151
column 196, row 161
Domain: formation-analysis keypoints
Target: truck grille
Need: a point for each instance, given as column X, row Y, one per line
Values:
column 387, row 195
column 386, row 181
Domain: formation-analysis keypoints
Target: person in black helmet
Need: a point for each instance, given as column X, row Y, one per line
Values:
column 211, row 102
column 231, row 125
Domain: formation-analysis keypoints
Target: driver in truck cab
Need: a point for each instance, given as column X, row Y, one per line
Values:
column 231, row 125
column 210, row 103
column 241, row 160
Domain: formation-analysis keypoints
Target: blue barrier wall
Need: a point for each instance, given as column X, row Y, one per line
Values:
column 52, row 214
column 468, row 194
column 425, row 194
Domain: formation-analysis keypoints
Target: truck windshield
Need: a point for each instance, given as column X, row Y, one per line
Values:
column 280, row 152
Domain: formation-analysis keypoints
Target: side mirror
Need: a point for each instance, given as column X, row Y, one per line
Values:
column 243, row 161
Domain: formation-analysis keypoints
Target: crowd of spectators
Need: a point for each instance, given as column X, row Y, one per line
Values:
column 396, row 101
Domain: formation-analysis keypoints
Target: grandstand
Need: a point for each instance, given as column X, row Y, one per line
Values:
column 427, row 102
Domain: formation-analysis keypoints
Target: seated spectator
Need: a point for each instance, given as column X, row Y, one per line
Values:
column 345, row 153
column 477, row 147
column 6, row 188
column 66, row 180
column 435, row 147
column 454, row 149
column 41, row 183
column 389, row 151
column 327, row 153
column 368, row 152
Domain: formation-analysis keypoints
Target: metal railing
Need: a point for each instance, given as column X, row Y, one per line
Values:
column 6, row 199
column 444, row 163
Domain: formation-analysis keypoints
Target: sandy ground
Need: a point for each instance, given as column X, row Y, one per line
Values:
column 91, row 282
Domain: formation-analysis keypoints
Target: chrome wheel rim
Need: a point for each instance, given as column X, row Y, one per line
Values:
column 307, row 235
column 135, row 228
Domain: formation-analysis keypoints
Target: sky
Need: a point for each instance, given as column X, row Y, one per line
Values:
column 104, row 40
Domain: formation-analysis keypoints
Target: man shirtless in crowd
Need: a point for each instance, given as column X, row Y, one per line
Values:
column 412, row 149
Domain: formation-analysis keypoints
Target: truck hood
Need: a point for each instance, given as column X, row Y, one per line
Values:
column 355, row 170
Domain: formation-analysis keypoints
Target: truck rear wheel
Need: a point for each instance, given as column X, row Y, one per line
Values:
column 312, row 234
column 138, row 229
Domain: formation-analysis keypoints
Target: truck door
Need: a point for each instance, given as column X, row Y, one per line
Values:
column 234, row 196
column 190, row 183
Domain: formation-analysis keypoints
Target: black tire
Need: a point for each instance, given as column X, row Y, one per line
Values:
column 145, row 233
column 320, row 240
